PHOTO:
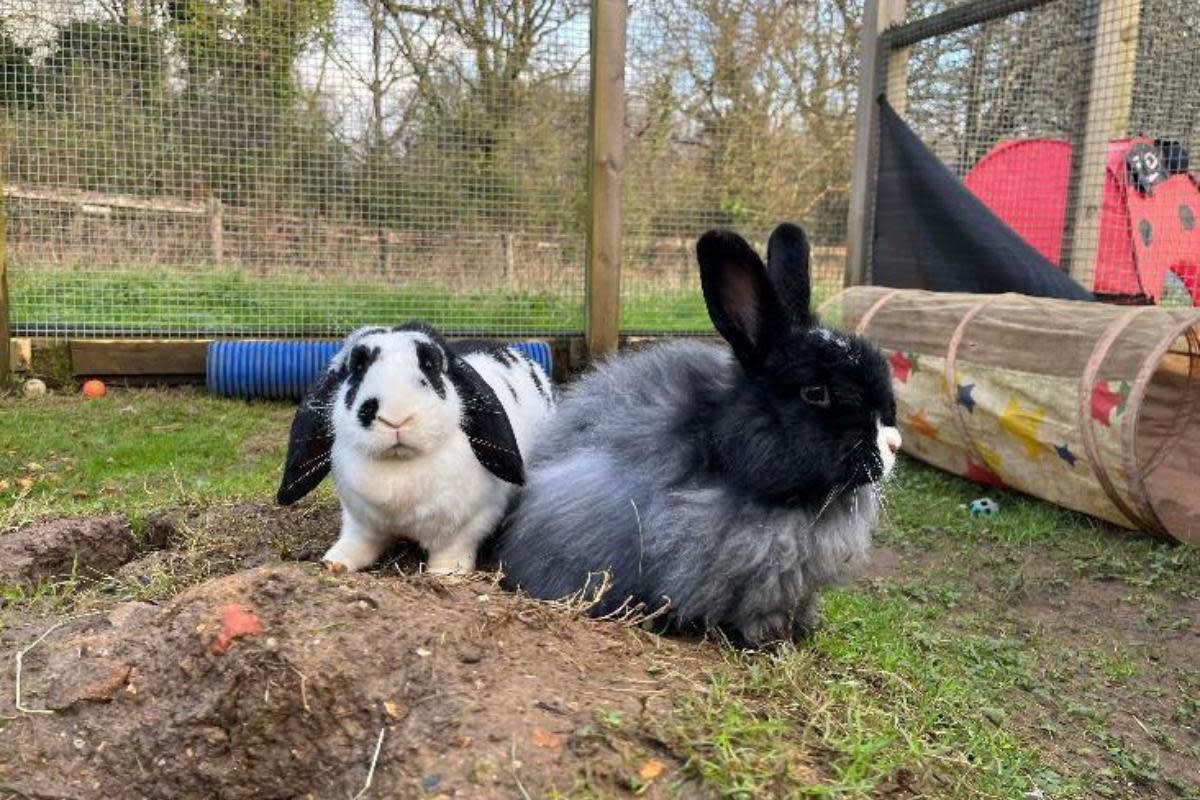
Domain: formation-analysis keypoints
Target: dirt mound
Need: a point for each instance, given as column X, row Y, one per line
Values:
column 58, row 548
column 278, row 682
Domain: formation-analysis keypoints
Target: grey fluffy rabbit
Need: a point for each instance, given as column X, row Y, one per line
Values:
column 722, row 489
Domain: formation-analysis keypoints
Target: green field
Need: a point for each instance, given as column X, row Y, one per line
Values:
column 232, row 302
column 1006, row 658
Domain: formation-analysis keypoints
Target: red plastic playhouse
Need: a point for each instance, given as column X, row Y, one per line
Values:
column 1149, row 222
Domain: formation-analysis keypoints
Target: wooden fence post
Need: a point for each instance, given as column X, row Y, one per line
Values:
column 878, row 15
column 5, row 330
column 216, row 229
column 606, row 136
column 508, row 241
column 1111, row 69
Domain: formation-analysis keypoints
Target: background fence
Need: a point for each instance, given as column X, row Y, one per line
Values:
column 296, row 167
column 1038, row 104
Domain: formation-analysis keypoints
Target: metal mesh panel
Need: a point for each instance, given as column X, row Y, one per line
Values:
column 739, row 114
column 1042, row 113
column 294, row 167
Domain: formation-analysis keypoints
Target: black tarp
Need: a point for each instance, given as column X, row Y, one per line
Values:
column 931, row 232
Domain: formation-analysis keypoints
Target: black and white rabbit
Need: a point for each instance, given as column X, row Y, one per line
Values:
column 727, row 487
column 424, row 438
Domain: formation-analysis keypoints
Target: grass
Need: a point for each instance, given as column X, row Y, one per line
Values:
column 1023, row 656
column 231, row 301
column 134, row 452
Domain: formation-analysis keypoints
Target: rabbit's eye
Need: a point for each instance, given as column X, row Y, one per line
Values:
column 429, row 360
column 816, row 396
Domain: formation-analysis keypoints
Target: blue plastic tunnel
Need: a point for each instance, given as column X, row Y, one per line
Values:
column 283, row 370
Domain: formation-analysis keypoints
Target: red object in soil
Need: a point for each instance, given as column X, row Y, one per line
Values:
column 1142, row 236
column 236, row 622
column 94, row 388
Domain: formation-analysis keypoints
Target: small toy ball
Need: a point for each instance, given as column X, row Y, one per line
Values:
column 93, row 389
column 984, row 507
column 34, row 388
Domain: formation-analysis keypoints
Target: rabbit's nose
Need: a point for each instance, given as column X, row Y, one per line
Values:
column 402, row 425
column 891, row 439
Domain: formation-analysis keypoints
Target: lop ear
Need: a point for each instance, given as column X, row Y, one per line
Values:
column 741, row 302
column 311, row 440
column 788, row 269
column 485, row 422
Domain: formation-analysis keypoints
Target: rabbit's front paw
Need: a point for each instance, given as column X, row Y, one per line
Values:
column 350, row 554
column 458, row 561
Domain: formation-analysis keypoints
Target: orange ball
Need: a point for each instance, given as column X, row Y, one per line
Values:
column 94, row 389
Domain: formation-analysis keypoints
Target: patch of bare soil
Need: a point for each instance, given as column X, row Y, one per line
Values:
column 1131, row 661
column 1114, row 692
column 59, row 548
column 282, row 681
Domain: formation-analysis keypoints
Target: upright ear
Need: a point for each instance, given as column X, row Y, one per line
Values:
column 741, row 301
column 788, row 269
column 311, row 440
column 485, row 422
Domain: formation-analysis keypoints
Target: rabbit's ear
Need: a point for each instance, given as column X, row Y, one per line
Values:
column 311, row 441
column 485, row 422
column 788, row 269
column 741, row 300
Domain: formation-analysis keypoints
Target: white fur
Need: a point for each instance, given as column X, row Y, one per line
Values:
column 422, row 481
column 887, row 442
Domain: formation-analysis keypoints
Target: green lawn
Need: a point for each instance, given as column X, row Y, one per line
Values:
column 234, row 302
column 1006, row 658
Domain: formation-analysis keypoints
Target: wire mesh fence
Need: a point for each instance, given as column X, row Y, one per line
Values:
column 1072, row 121
column 740, row 114
column 294, row 167
column 297, row 168
column 300, row 167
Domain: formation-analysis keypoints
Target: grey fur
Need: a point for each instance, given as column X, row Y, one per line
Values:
column 616, row 483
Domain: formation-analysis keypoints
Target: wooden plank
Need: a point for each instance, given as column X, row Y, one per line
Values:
column 81, row 198
column 1111, row 71
column 896, row 83
column 187, row 357
column 20, row 355
column 605, row 145
column 138, row 357
column 878, row 16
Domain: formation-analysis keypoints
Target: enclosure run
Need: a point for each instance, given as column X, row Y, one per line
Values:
column 213, row 193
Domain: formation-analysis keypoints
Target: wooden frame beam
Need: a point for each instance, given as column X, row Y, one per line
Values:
column 875, row 78
column 1111, row 69
column 606, row 136
column 5, row 329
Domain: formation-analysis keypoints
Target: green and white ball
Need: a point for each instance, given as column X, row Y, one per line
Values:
column 984, row 507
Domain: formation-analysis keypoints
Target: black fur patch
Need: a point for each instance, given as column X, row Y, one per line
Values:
column 537, row 380
column 367, row 412
column 431, row 360
column 493, row 349
column 486, row 424
column 357, row 364
column 311, row 439
column 511, row 389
